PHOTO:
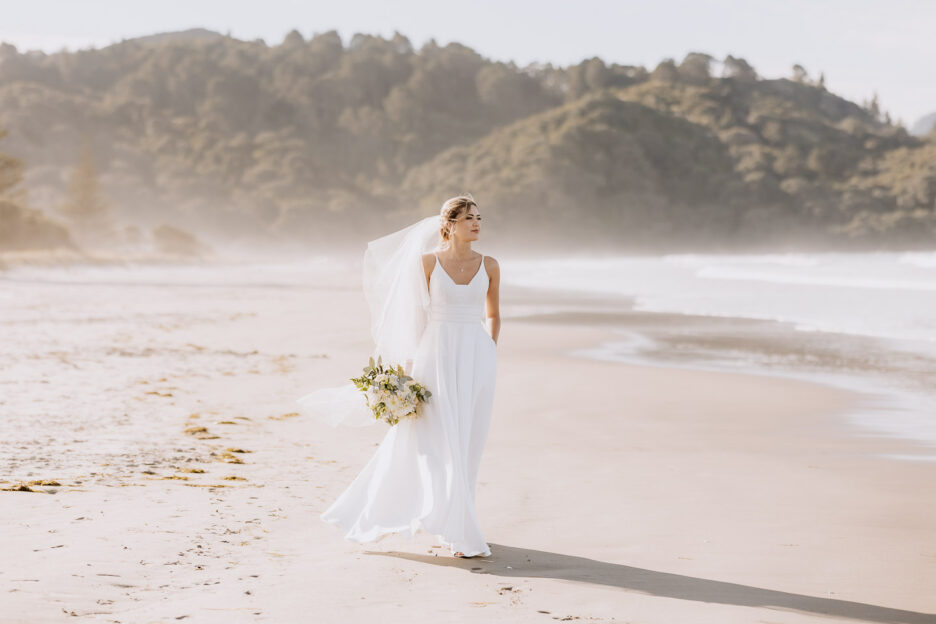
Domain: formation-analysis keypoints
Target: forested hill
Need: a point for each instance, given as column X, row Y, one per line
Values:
column 316, row 141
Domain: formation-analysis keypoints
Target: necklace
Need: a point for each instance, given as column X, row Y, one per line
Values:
column 461, row 269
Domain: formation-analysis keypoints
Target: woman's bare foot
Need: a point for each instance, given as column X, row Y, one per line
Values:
column 461, row 555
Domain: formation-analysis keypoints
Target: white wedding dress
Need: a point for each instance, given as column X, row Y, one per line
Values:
column 424, row 473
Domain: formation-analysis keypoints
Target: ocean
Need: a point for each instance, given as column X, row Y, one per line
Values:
column 862, row 321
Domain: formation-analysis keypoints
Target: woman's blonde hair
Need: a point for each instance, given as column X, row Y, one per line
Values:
column 452, row 209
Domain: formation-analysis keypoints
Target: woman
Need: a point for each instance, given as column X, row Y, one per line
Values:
column 433, row 303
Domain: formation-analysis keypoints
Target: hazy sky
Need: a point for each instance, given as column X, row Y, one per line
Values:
column 860, row 45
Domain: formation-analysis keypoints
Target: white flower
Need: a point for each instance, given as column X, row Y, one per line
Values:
column 400, row 401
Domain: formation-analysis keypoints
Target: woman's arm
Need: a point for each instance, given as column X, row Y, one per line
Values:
column 493, row 298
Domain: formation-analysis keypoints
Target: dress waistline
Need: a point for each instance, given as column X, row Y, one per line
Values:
column 456, row 312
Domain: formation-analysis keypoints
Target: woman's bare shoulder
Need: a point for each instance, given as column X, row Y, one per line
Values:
column 428, row 260
column 490, row 263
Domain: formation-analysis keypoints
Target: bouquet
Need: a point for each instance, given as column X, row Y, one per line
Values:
column 390, row 393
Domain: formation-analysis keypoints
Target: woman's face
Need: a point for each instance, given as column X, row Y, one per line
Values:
column 467, row 225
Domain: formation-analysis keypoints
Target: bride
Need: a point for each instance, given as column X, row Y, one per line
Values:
column 434, row 306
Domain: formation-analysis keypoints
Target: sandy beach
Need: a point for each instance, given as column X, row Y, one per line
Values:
column 180, row 484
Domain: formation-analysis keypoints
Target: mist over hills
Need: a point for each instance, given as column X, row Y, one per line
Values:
column 924, row 125
column 315, row 142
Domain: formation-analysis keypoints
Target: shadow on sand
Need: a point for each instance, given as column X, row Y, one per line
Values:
column 513, row 562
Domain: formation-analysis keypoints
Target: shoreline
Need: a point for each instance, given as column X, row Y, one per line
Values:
column 888, row 404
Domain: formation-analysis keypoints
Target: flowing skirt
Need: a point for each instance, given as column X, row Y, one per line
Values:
column 424, row 473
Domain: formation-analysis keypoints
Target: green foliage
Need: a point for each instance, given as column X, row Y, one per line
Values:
column 23, row 228
column 670, row 164
column 173, row 241
column 298, row 140
column 395, row 383
column 11, row 170
column 85, row 208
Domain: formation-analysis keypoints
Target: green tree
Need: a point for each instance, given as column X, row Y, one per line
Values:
column 20, row 226
column 665, row 71
column 875, row 106
column 85, row 208
column 696, row 68
column 11, row 172
column 739, row 69
column 800, row 74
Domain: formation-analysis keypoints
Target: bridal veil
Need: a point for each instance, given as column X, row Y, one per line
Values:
column 394, row 284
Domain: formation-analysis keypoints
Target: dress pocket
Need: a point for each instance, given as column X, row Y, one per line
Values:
column 487, row 335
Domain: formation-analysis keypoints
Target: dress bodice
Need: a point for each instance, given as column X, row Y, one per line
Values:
column 451, row 302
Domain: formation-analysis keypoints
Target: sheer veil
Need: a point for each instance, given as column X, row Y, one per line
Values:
column 395, row 288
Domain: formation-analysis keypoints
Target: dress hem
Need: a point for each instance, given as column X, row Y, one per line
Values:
column 414, row 529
